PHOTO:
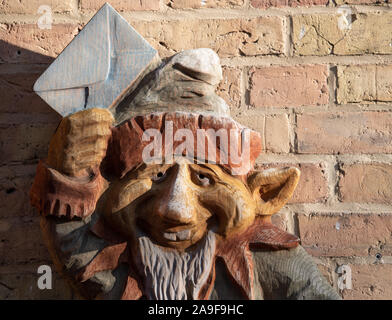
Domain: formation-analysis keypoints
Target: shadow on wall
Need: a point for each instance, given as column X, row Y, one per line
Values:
column 26, row 121
column 26, row 126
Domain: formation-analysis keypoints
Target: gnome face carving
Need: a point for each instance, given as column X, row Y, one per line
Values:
column 120, row 226
column 176, row 204
column 181, row 210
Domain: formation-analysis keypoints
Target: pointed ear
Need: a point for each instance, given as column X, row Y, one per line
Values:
column 272, row 188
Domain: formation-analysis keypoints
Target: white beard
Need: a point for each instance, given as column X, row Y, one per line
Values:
column 172, row 275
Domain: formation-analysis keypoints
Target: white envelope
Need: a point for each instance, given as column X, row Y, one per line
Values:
column 100, row 63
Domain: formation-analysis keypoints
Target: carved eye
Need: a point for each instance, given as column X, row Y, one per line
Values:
column 158, row 177
column 203, row 179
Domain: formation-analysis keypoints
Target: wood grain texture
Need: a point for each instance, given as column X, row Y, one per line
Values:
column 186, row 82
column 295, row 276
column 69, row 182
column 55, row 194
column 126, row 145
column 272, row 188
column 80, row 142
column 236, row 253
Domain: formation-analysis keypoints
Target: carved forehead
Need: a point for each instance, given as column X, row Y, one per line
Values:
column 214, row 169
column 220, row 140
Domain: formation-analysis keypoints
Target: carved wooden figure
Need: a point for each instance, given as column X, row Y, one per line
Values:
column 192, row 223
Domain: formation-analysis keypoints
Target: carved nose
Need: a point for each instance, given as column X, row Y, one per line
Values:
column 175, row 204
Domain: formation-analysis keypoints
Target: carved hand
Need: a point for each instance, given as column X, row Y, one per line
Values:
column 80, row 142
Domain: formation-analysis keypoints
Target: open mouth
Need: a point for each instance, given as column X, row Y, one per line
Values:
column 169, row 233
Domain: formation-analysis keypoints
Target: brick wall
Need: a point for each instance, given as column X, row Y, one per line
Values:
column 317, row 87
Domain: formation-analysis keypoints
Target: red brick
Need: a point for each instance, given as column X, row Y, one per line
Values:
column 339, row 2
column 196, row 4
column 370, row 282
column 29, row 44
column 121, row 5
column 23, row 286
column 277, row 133
column 21, row 142
column 21, row 241
column 345, row 132
column 15, row 184
column 230, row 87
column 366, row 183
column 264, row 4
column 346, row 234
column 31, row 6
column 253, row 121
column 289, row 86
column 312, row 186
column 228, row 37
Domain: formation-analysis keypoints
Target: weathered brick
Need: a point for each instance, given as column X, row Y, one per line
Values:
column 346, row 235
column 31, row 6
column 264, row 4
column 195, row 4
column 327, row 271
column 230, row 87
column 363, row 83
column 370, row 282
column 340, row 2
column 15, row 184
column 345, row 132
column 17, row 96
column 21, row 142
column 324, row 34
column 312, row 186
column 274, row 130
column 366, row 183
column 277, row 135
column 228, row 37
column 26, row 43
column 21, row 241
column 255, row 121
column 121, row 5
column 289, row 86
column 23, row 286
column 280, row 220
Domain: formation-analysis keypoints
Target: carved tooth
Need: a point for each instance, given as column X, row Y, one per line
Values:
column 169, row 236
column 183, row 235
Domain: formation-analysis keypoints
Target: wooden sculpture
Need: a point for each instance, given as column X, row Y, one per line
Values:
column 186, row 225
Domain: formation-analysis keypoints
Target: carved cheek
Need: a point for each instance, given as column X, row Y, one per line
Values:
column 125, row 194
column 121, row 202
column 235, row 209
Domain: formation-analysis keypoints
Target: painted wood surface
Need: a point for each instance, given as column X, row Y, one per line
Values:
column 96, row 69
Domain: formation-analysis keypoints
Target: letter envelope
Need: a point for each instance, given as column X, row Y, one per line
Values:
column 97, row 67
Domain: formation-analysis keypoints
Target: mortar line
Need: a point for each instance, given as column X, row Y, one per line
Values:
column 202, row 13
